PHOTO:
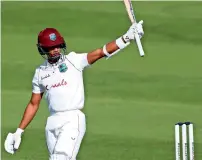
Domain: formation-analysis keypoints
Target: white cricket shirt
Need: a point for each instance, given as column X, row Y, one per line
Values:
column 62, row 82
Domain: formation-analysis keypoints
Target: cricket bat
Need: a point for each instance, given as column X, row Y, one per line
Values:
column 130, row 11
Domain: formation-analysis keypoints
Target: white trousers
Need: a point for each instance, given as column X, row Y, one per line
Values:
column 64, row 133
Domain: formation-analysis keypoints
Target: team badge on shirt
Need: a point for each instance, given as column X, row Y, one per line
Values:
column 62, row 67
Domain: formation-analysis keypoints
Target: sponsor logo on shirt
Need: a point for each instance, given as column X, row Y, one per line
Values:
column 59, row 84
column 46, row 76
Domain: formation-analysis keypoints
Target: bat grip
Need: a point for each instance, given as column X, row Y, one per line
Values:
column 139, row 45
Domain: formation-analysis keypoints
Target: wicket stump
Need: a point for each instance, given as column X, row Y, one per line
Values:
column 183, row 132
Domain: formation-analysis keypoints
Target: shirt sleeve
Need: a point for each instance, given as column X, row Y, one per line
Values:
column 79, row 60
column 36, row 86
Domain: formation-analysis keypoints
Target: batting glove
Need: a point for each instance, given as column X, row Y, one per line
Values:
column 135, row 28
column 13, row 141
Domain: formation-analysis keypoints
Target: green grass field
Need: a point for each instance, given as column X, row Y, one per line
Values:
column 132, row 103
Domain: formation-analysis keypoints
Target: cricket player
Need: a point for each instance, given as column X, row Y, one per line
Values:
column 60, row 80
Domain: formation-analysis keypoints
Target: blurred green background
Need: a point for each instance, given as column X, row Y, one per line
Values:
column 132, row 103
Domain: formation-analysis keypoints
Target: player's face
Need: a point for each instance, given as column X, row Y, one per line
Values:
column 54, row 51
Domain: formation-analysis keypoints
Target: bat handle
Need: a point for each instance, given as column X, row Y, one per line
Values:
column 139, row 45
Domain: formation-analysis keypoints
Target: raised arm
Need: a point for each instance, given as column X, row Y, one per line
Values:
column 115, row 46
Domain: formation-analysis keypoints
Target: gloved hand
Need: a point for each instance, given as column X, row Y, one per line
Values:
column 135, row 28
column 13, row 141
